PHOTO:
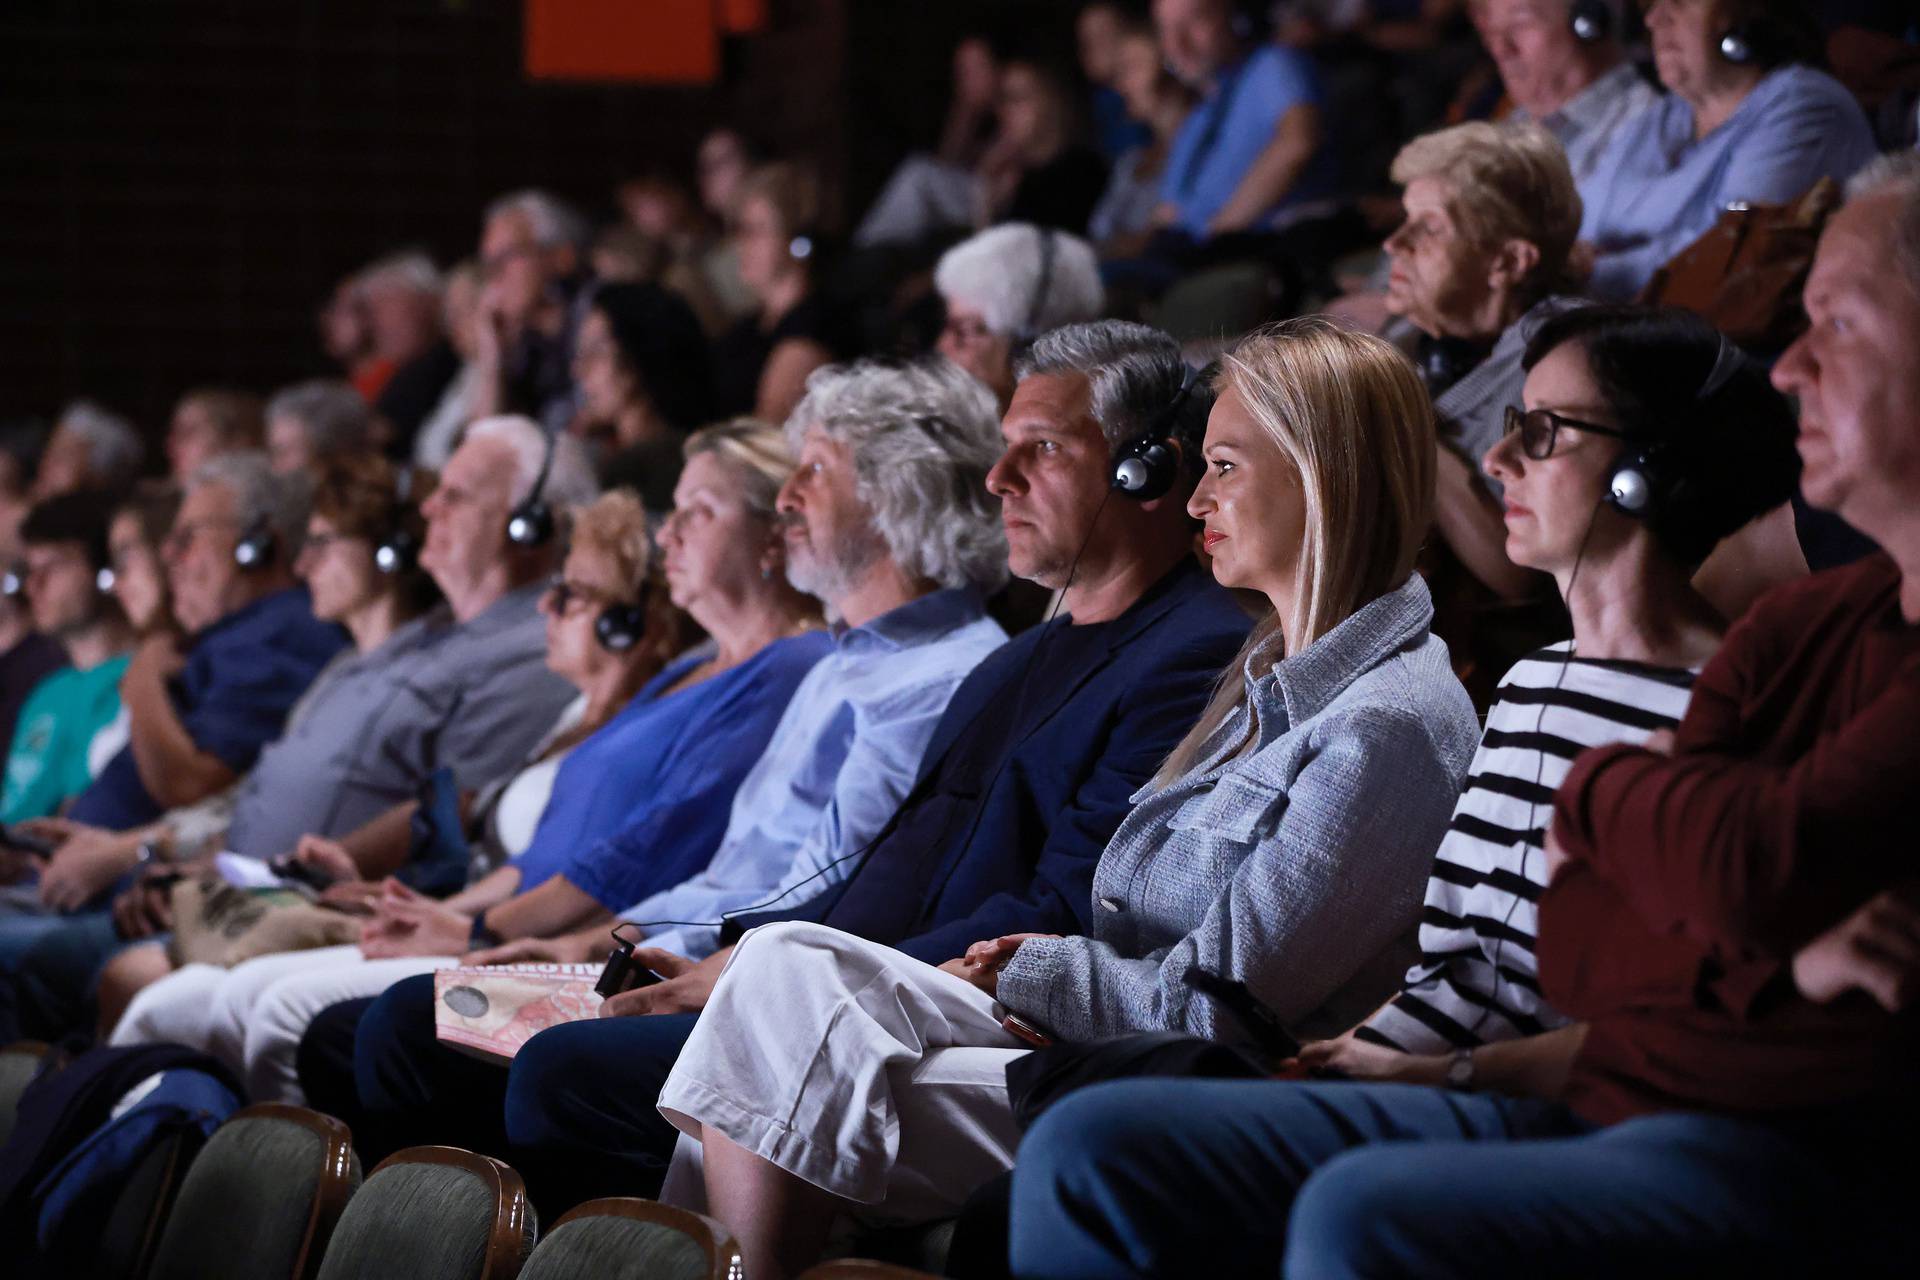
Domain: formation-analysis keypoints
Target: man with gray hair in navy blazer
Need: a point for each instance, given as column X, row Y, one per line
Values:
column 1022, row 785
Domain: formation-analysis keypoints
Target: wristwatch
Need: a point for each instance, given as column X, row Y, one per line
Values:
column 1460, row 1069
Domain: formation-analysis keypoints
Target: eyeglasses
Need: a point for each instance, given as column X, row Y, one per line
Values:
column 1540, row 428
column 561, row 594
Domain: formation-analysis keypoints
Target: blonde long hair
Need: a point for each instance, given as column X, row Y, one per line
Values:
column 1353, row 419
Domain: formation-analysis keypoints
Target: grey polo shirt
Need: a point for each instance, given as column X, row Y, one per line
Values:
column 473, row 697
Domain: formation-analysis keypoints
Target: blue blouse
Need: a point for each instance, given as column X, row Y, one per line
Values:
column 668, row 766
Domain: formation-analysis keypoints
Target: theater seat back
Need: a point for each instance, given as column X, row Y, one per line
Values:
column 434, row 1213
column 261, row 1199
column 625, row 1239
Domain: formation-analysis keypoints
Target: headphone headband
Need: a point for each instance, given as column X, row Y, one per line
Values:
column 1043, row 283
column 531, row 523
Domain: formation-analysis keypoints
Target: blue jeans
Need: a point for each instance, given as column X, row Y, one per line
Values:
column 575, row 1115
column 1333, row 1180
column 54, row 964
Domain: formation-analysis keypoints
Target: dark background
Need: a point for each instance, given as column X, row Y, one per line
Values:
column 182, row 181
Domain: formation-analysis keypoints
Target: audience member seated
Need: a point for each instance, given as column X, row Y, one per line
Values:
column 1250, row 156
column 136, row 534
column 1123, row 221
column 1005, row 287
column 1746, row 117
column 1033, row 171
column 402, row 297
column 531, row 247
column 69, row 588
column 890, row 524
column 888, row 511
column 27, row 657
column 1563, row 67
column 228, row 1013
column 1715, row 910
column 316, row 422
column 347, row 339
column 721, row 165
column 1098, row 30
column 661, row 214
column 645, row 379
column 1024, row 781
column 199, row 711
column 1280, row 848
column 209, row 421
column 90, row 451
column 761, row 365
column 1477, row 266
column 438, row 434
column 1605, row 385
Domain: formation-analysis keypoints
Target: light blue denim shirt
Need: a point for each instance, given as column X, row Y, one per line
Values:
column 1297, row 867
column 835, row 769
column 1658, row 189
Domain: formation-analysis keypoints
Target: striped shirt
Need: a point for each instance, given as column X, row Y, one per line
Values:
column 1475, row 981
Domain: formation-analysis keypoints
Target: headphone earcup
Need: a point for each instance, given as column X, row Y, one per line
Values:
column 396, row 554
column 1737, row 47
column 619, row 627
column 254, row 550
column 1146, row 467
column 1632, row 488
column 530, row 525
column 1591, row 21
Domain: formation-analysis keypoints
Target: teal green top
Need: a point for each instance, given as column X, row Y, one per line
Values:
column 48, row 762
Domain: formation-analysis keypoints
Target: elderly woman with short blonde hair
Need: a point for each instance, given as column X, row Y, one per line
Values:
column 1481, row 261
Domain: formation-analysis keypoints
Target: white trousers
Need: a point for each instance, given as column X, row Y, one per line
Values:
column 848, row 1064
column 252, row 1016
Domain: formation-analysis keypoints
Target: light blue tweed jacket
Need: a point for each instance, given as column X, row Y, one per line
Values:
column 1297, row 868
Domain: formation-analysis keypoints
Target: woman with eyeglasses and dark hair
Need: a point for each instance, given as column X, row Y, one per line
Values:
column 1643, row 439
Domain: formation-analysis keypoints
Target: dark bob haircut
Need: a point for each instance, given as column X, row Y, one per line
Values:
column 1728, row 452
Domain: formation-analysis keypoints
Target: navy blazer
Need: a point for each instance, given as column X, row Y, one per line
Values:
column 1025, row 864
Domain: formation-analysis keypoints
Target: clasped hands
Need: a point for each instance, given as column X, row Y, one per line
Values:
column 981, row 965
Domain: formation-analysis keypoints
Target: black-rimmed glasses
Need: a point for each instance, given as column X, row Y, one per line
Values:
column 1540, row 428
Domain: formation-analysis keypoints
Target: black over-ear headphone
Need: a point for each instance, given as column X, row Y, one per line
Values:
column 1753, row 40
column 1591, row 21
column 620, row 626
column 399, row 551
column 531, row 523
column 256, row 546
column 1043, row 282
column 1146, row 466
column 1644, row 480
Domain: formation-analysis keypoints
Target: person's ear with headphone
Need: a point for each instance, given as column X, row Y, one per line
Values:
column 1005, row 287
column 360, row 556
column 606, row 618
column 493, row 525
column 1713, row 53
column 68, row 577
column 1644, row 437
column 230, row 545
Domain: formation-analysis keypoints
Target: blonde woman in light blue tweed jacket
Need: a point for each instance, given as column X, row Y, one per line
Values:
column 1284, row 845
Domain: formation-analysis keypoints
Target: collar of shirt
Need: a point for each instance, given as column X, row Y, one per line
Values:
column 1307, row 682
column 510, row 610
column 1590, row 106
column 917, row 622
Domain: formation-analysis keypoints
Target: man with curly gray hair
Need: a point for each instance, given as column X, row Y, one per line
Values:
column 916, row 440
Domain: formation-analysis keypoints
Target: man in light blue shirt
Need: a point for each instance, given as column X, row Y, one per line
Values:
column 890, row 523
column 1251, row 153
column 1760, row 131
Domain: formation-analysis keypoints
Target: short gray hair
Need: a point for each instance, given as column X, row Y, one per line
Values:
column 570, row 482
column 923, row 435
column 336, row 418
column 998, row 273
column 279, row 503
column 114, row 449
column 1897, row 174
column 1134, row 373
column 411, row 269
column 553, row 221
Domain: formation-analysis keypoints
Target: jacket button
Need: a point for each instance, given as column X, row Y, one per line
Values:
column 1112, row 904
